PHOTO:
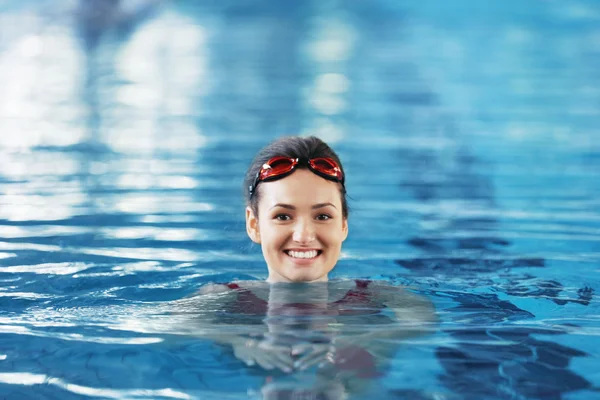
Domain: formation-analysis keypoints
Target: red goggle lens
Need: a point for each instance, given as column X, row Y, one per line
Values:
column 326, row 166
column 277, row 166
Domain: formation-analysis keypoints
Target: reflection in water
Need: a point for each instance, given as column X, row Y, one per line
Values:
column 162, row 68
column 330, row 49
column 135, row 88
column 46, row 58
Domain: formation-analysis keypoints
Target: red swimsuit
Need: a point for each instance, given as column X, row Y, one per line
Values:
column 356, row 301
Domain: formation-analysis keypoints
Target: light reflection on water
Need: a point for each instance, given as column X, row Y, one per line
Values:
column 470, row 141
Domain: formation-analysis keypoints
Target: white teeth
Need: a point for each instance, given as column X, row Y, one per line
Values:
column 303, row 254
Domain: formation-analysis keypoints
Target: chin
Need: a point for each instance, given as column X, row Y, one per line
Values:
column 307, row 277
column 292, row 275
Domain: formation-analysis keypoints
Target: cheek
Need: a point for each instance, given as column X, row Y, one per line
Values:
column 270, row 234
column 336, row 233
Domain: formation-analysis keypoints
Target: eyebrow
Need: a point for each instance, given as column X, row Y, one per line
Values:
column 314, row 207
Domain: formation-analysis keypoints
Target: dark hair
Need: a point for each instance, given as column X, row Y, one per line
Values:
column 293, row 147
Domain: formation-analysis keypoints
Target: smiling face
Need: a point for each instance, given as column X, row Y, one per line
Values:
column 300, row 227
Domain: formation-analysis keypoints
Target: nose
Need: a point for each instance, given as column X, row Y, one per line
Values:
column 304, row 232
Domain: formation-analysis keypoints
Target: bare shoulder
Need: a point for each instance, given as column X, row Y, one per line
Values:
column 385, row 286
column 401, row 296
column 216, row 288
column 408, row 305
column 213, row 288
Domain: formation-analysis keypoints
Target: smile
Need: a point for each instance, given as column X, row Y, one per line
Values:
column 306, row 255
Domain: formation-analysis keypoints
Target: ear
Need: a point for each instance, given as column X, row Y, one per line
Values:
column 252, row 226
column 345, row 228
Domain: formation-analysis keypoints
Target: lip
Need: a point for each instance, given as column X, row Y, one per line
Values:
column 303, row 262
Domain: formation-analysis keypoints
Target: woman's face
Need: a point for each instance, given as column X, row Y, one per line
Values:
column 300, row 227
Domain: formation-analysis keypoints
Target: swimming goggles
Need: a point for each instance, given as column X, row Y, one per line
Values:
column 280, row 167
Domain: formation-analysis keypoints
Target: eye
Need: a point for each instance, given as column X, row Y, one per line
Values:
column 324, row 217
column 282, row 217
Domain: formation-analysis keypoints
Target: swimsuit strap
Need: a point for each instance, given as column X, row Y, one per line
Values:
column 358, row 301
column 362, row 283
column 356, row 295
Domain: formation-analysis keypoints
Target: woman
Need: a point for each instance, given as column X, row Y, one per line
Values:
column 296, row 209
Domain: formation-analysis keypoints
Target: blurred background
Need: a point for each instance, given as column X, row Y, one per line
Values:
column 146, row 112
column 469, row 131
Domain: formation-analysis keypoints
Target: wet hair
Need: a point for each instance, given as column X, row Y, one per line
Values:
column 293, row 147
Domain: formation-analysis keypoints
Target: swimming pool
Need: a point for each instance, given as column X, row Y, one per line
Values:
column 469, row 135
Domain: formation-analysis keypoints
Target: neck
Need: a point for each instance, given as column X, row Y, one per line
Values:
column 307, row 293
column 274, row 277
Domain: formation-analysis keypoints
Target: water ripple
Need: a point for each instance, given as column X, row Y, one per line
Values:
column 25, row 378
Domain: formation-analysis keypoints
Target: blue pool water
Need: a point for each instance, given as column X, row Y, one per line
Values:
column 469, row 133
